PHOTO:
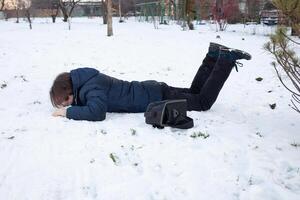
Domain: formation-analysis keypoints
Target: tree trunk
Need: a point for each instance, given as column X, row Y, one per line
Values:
column 220, row 15
column 54, row 15
column 28, row 18
column 53, row 18
column 2, row 4
column 71, row 10
column 104, row 12
column 120, row 12
column 65, row 15
column 109, row 18
column 54, row 12
column 190, row 13
column 64, row 11
column 69, row 23
column 17, row 15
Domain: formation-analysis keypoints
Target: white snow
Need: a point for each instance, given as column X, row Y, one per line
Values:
column 248, row 154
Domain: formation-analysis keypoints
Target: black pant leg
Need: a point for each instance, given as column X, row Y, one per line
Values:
column 171, row 93
column 202, row 74
column 215, row 82
column 209, row 92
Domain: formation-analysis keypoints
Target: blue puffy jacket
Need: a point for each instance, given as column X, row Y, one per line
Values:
column 96, row 93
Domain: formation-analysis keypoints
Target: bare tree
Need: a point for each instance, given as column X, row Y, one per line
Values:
column 120, row 12
column 17, row 12
column 190, row 13
column 27, row 13
column 26, row 5
column 15, row 4
column 104, row 11
column 50, row 7
column 67, row 7
column 22, row 5
column 224, row 12
column 2, row 4
column 109, row 18
column 220, row 15
column 54, row 9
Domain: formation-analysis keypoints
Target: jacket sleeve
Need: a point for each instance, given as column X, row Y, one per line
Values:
column 94, row 110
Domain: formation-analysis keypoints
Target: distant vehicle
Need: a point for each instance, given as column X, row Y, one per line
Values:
column 270, row 17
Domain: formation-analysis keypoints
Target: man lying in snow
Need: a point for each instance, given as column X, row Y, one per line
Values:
column 90, row 94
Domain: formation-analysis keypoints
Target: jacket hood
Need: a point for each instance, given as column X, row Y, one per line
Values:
column 81, row 75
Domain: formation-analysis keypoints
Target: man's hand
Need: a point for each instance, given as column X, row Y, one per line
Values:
column 59, row 112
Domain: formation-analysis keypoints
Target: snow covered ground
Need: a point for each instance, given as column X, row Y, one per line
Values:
column 246, row 151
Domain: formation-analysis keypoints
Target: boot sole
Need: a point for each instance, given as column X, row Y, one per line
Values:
column 244, row 54
column 218, row 45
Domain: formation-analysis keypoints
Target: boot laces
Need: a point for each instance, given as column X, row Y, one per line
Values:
column 237, row 64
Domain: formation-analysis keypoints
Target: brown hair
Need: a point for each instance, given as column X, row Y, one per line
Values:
column 61, row 89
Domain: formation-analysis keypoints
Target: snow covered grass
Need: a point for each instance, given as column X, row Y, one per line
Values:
column 240, row 149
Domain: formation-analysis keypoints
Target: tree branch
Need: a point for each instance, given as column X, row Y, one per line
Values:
column 295, row 107
column 290, row 39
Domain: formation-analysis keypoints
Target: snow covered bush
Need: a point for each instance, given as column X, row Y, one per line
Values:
column 287, row 63
column 280, row 46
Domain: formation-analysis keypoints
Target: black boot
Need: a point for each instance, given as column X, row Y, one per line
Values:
column 214, row 51
column 232, row 55
column 209, row 62
column 214, row 48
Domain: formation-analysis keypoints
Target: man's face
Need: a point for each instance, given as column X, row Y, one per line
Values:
column 67, row 102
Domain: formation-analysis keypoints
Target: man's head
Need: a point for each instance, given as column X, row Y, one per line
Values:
column 61, row 93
